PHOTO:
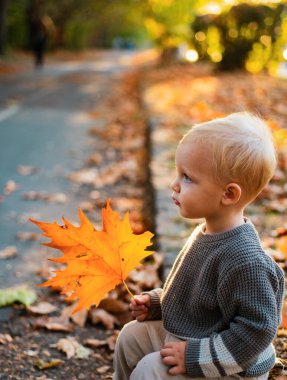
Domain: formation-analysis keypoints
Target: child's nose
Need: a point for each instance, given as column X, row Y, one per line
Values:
column 175, row 185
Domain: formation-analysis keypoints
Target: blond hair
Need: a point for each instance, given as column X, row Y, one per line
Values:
column 242, row 150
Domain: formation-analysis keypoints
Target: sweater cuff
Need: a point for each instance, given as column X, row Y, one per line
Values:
column 155, row 305
column 192, row 358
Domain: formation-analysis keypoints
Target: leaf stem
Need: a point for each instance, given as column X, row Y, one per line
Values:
column 130, row 293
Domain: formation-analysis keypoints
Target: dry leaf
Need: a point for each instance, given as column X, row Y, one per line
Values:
column 42, row 308
column 42, row 196
column 85, row 176
column 103, row 369
column 113, row 305
column 8, row 252
column 284, row 316
column 32, row 353
column 25, row 236
column 101, row 316
column 78, row 318
column 55, row 324
column 95, row 343
column 112, row 340
column 147, row 277
column 26, row 170
column 72, row 348
column 41, row 364
column 10, row 187
column 96, row 261
column 5, row 338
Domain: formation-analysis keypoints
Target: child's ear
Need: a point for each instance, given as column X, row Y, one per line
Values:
column 232, row 194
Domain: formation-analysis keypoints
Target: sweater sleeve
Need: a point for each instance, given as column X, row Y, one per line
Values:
column 252, row 295
column 155, row 305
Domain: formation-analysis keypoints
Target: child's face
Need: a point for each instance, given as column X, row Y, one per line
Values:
column 195, row 191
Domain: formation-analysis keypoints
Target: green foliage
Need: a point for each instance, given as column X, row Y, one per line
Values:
column 242, row 36
column 16, row 24
column 21, row 293
column 245, row 36
column 168, row 21
column 80, row 24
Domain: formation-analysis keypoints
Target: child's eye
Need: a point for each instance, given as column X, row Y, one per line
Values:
column 186, row 178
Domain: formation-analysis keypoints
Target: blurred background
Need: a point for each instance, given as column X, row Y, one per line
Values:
column 94, row 96
column 231, row 34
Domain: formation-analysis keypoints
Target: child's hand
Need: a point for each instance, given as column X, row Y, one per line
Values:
column 139, row 307
column 173, row 354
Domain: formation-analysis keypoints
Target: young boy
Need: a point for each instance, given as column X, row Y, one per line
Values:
column 220, row 307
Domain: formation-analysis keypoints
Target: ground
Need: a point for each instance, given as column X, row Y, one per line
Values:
column 109, row 127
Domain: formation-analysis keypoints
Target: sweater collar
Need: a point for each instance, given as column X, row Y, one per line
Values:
column 209, row 238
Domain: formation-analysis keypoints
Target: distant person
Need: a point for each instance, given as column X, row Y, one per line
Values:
column 38, row 25
column 219, row 310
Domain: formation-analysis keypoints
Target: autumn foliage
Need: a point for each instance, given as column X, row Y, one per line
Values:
column 96, row 261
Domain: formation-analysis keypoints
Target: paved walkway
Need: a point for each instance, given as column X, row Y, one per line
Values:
column 45, row 118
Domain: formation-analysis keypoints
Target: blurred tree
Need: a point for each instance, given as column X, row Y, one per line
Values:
column 246, row 35
column 3, row 12
column 242, row 35
column 168, row 24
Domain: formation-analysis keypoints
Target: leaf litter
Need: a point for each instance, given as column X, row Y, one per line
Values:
column 175, row 96
column 124, row 180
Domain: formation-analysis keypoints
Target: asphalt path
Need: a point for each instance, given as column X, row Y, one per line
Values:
column 44, row 124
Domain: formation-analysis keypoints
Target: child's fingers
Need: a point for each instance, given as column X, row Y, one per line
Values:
column 164, row 352
column 142, row 317
column 136, row 307
column 169, row 360
column 142, row 299
column 176, row 370
column 133, row 303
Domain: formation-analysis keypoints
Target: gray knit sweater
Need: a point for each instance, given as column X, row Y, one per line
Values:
column 224, row 296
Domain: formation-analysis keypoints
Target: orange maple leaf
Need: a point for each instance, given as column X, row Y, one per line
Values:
column 96, row 261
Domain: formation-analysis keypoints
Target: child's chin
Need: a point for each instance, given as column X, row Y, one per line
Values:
column 187, row 215
column 184, row 214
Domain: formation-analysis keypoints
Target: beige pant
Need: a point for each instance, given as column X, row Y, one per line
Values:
column 137, row 354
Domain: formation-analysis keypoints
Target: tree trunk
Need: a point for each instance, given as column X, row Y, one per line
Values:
column 3, row 12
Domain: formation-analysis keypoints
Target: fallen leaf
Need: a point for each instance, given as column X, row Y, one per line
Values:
column 98, row 356
column 55, row 324
column 26, row 170
column 278, row 205
column 96, row 261
column 284, row 316
column 20, row 293
column 103, row 369
column 8, row 252
column 72, row 348
column 25, row 236
column 112, row 340
column 42, row 196
column 86, row 206
column 10, row 187
column 84, row 176
column 276, row 255
column 281, row 231
column 31, row 353
column 41, row 364
column 101, row 316
column 113, row 305
column 42, row 308
column 281, row 245
column 95, row 343
column 95, row 159
column 5, row 338
column 147, row 277
column 282, row 332
column 79, row 318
